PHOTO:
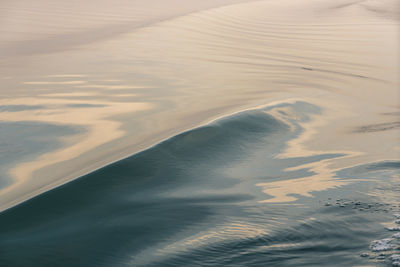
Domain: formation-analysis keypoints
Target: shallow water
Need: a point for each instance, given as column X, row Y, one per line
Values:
column 261, row 133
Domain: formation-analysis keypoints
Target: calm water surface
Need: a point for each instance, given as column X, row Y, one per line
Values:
column 212, row 133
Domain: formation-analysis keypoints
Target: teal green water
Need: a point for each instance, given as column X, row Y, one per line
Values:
column 199, row 133
column 192, row 201
column 23, row 141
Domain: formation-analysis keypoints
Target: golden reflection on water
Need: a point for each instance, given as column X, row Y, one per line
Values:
column 188, row 70
column 322, row 134
column 55, row 83
column 233, row 231
column 94, row 116
column 110, row 87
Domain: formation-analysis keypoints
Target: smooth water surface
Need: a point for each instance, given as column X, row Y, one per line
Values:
column 199, row 133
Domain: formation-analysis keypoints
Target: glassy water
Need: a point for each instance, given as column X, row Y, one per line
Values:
column 220, row 133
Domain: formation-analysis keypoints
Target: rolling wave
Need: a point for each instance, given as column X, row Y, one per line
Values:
column 185, row 202
column 312, row 180
column 135, row 74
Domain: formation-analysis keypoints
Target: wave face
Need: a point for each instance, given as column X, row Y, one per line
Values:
column 118, row 78
column 309, row 178
column 195, row 200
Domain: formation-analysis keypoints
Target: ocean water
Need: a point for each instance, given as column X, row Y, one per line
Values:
column 187, row 133
column 193, row 200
